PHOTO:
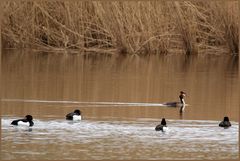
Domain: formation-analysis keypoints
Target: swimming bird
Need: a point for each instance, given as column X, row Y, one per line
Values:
column 175, row 104
column 27, row 121
column 76, row 115
column 162, row 127
column 225, row 123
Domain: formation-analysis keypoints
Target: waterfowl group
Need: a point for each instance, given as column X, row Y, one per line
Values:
column 76, row 115
column 28, row 119
column 163, row 126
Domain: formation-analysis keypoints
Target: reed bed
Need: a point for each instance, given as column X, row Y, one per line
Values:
column 131, row 27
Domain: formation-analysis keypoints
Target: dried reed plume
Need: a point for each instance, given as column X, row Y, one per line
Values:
column 136, row 27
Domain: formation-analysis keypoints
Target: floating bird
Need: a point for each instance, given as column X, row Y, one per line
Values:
column 177, row 104
column 162, row 127
column 27, row 121
column 225, row 123
column 76, row 115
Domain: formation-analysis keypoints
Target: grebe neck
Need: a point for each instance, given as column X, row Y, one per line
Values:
column 182, row 101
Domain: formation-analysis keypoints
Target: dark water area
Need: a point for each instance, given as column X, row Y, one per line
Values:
column 121, row 99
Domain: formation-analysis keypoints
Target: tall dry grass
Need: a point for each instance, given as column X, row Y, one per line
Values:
column 133, row 27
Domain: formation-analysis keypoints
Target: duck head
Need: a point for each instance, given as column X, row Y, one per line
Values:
column 29, row 117
column 225, row 118
column 163, row 122
column 77, row 112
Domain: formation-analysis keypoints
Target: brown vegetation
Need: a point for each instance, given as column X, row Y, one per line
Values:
column 133, row 27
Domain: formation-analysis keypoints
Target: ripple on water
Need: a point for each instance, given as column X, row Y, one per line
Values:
column 124, row 139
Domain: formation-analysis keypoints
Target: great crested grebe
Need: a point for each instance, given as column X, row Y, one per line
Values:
column 162, row 127
column 225, row 123
column 27, row 121
column 76, row 115
column 175, row 104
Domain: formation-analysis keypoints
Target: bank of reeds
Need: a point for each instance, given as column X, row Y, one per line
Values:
column 133, row 27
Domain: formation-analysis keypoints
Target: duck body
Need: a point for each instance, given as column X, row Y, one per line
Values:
column 75, row 116
column 162, row 127
column 225, row 123
column 27, row 121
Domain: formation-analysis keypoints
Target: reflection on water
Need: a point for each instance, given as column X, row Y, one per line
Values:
column 211, row 82
column 134, row 139
column 121, row 98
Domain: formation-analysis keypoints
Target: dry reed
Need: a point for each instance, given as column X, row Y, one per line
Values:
column 134, row 27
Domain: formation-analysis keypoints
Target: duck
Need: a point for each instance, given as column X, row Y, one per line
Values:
column 176, row 104
column 76, row 115
column 225, row 123
column 162, row 127
column 26, row 121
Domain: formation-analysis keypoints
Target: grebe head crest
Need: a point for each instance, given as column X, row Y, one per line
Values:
column 181, row 92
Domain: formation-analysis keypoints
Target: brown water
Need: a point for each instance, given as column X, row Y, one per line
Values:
column 121, row 100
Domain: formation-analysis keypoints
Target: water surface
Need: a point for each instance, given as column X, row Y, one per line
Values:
column 121, row 99
column 131, row 139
